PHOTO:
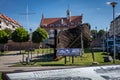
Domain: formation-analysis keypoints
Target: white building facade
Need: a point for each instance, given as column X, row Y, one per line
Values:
column 6, row 22
column 116, row 26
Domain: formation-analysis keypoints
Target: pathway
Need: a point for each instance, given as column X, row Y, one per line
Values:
column 13, row 57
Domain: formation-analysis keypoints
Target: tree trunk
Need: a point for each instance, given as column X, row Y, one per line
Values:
column 20, row 47
column 92, row 54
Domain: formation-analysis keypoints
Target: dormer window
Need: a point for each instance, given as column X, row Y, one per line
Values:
column 44, row 25
column 51, row 25
column 58, row 25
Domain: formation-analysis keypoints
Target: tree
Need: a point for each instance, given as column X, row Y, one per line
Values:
column 20, row 35
column 3, row 38
column 94, row 33
column 39, row 35
column 101, row 33
column 9, row 32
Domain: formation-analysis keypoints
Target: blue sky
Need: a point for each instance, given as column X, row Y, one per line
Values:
column 95, row 12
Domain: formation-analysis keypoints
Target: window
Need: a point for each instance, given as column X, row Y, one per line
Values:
column 0, row 26
column 58, row 25
column 13, row 26
column 72, row 23
column 58, row 30
column 0, row 21
column 51, row 25
column 65, row 24
column 51, row 31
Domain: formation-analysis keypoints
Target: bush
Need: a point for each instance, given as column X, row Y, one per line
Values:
column 2, row 50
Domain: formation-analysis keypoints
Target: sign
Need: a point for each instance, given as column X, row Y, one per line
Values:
column 69, row 52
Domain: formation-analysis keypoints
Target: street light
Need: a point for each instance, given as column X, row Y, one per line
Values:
column 31, row 42
column 107, row 40
column 30, row 38
column 96, row 32
column 113, row 5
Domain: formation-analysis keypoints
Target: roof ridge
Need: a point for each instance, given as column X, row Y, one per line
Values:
column 62, row 17
column 9, row 19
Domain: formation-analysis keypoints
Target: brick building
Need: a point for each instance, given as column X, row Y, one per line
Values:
column 116, row 26
column 63, row 23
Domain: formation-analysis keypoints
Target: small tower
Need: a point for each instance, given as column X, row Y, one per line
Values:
column 42, row 20
column 68, row 14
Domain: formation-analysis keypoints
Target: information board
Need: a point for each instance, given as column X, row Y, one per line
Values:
column 69, row 52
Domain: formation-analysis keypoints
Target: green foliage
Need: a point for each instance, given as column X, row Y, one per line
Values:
column 9, row 32
column 101, row 33
column 39, row 35
column 0, row 75
column 20, row 35
column 3, row 37
column 94, row 33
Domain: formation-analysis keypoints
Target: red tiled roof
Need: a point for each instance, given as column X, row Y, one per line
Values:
column 47, row 21
column 9, row 19
column 72, row 18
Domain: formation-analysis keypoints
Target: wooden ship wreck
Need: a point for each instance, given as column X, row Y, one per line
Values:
column 71, row 38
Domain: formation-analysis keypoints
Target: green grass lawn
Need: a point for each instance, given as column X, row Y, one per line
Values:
column 0, row 76
column 85, row 60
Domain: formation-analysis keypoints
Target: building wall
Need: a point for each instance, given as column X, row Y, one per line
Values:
column 116, row 26
column 6, row 24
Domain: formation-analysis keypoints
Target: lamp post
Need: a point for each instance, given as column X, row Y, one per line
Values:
column 30, row 38
column 31, row 42
column 96, row 32
column 107, row 40
column 113, row 4
column 82, row 43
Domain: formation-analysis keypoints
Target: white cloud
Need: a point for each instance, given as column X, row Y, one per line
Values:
column 108, row 3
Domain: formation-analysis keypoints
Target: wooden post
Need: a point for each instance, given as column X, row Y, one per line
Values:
column 65, row 60
column 31, row 54
column 72, row 59
column 93, row 55
column 23, row 57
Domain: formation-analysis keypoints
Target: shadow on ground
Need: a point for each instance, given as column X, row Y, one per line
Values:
column 42, row 58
